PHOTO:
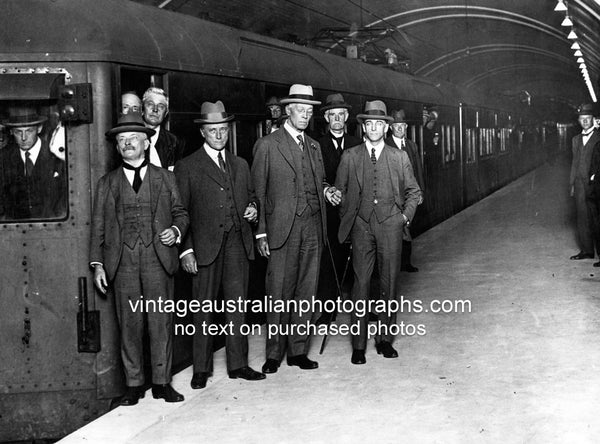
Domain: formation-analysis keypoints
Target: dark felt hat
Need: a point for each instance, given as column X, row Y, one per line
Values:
column 335, row 101
column 213, row 113
column 586, row 109
column 130, row 123
column 23, row 116
column 375, row 110
column 399, row 116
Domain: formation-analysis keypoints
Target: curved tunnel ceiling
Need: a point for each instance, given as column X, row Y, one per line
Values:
column 497, row 46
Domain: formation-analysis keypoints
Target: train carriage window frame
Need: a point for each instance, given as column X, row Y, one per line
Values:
column 33, row 191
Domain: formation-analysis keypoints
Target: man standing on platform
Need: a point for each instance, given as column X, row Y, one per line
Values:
column 399, row 140
column 137, row 221
column 165, row 148
column 336, row 113
column 582, row 146
column 215, row 186
column 290, row 185
column 379, row 198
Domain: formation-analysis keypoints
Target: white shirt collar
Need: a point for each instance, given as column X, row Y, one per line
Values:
column 130, row 174
column 213, row 154
column 378, row 147
column 154, row 158
column 399, row 141
column 34, row 151
column 293, row 131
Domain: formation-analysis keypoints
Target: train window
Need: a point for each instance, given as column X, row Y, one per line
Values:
column 33, row 172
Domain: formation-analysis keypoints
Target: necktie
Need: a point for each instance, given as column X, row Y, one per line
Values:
column 221, row 162
column 301, row 142
column 402, row 144
column 28, row 164
column 373, row 158
column 137, row 177
column 339, row 141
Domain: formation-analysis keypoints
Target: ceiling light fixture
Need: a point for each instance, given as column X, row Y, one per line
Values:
column 578, row 53
column 575, row 45
column 567, row 21
column 580, row 60
column 572, row 35
column 560, row 6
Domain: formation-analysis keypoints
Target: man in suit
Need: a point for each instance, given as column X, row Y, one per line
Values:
column 379, row 197
column 137, row 221
column 582, row 146
column 289, row 177
column 33, row 180
column 399, row 140
column 336, row 113
column 215, row 186
column 165, row 147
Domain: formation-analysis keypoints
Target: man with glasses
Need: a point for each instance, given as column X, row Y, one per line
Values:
column 399, row 140
column 165, row 148
column 138, row 219
column 379, row 198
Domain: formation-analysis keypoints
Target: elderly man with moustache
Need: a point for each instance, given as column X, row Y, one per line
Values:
column 138, row 219
column 336, row 113
column 399, row 140
column 216, row 188
column 379, row 198
column 165, row 147
column 583, row 147
column 289, row 177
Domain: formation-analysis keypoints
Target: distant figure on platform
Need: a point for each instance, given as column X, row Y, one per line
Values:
column 274, row 115
column 215, row 186
column 290, row 185
column 379, row 198
column 137, row 221
column 399, row 140
column 336, row 113
column 33, row 180
column 130, row 103
column 165, row 147
column 582, row 146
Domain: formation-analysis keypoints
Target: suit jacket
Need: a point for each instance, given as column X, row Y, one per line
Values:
column 274, row 178
column 106, row 243
column 170, row 149
column 201, row 184
column 47, row 185
column 582, row 158
column 413, row 154
column 332, row 155
column 594, row 185
column 349, row 180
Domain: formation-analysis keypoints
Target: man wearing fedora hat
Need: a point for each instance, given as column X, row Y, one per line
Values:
column 290, row 185
column 399, row 140
column 33, row 180
column 379, row 198
column 336, row 113
column 137, row 220
column 165, row 147
column 583, row 147
column 215, row 186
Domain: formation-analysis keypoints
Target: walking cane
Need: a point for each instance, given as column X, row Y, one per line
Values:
column 338, row 284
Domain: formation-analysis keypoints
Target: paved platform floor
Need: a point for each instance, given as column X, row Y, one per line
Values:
column 522, row 366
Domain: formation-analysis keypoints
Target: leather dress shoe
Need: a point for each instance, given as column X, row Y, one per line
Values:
column 166, row 392
column 581, row 255
column 409, row 268
column 199, row 380
column 270, row 366
column 246, row 373
column 302, row 361
column 358, row 357
column 385, row 348
column 132, row 395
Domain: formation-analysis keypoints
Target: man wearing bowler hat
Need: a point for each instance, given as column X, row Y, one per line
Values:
column 215, row 186
column 138, row 219
column 583, row 146
column 379, row 198
column 289, row 177
column 399, row 140
column 33, row 180
column 336, row 113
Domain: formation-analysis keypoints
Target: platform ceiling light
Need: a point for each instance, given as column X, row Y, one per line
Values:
column 560, row 6
column 572, row 35
column 567, row 21
column 575, row 45
column 578, row 53
column 582, row 65
column 580, row 60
